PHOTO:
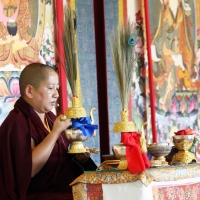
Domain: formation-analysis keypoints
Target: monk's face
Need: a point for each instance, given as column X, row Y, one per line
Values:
column 45, row 96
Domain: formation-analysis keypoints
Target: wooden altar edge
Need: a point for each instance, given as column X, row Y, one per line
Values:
column 171, row 173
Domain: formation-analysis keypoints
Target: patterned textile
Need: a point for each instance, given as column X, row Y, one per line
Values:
column 87, row 191
column 79, row 191
column 170, row 173
column 178, row 192
column 94, row 192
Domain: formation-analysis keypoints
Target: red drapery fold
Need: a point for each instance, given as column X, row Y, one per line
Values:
column 137, row 162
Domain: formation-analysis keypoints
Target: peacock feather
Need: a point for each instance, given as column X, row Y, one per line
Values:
column 123, row 44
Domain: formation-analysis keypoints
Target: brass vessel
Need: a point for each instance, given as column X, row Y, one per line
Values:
column 75, row 136
column 76, row 139
column 183, row 143
column 119, row 150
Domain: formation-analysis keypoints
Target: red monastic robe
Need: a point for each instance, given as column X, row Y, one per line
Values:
column 52, row 182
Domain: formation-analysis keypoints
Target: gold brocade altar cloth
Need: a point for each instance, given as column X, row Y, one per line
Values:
column 89, row 186
column 161, row 174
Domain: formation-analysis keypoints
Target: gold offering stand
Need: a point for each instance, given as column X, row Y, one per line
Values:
column 183, row 143
column 119, row 150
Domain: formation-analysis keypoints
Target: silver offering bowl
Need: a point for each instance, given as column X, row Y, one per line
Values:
column 183, row 142
column 159, row 151
column 119, row 151
column 76, row 139
column 73, row 135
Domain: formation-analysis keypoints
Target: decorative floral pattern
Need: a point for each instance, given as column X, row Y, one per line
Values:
column 94, row 192
column 170, row 173
column 89, row 184
column 79, row 192
column 9, row 92
column 182, row 192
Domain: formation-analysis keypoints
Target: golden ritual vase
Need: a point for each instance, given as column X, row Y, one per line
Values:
column 76, row 111
column 183, row 143
column 119, row 150
column 75, row 136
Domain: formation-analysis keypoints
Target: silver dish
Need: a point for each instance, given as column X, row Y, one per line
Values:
column 159, row 149
column 119, row 151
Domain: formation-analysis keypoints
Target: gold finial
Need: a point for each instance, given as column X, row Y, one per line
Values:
column 76, row 111
column 124, row 125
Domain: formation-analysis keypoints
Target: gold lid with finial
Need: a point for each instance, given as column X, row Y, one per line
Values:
column 124, row 125
column 76, row 111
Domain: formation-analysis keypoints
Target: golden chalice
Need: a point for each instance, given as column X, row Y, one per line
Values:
column 183, row 143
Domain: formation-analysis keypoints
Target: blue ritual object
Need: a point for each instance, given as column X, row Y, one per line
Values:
column 85, row 125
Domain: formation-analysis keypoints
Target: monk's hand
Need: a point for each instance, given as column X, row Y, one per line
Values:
column 82, row 157
column 61, row 123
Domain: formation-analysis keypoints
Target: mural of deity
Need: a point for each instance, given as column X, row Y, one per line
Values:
column 21, row 25
column 173, row 52
column 174, row 42
column 26, row 36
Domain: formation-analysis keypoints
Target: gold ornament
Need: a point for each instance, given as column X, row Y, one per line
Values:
column 63, row 118
column 143, row 142
column 124, row 125
column 77, row 147
column 183, row 143
column 76, row 111
column 183, row 157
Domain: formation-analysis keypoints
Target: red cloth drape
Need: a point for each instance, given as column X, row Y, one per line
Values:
column 137, row 162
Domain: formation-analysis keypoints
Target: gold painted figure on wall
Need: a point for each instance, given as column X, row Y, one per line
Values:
column 18, row 45
column 173, row 52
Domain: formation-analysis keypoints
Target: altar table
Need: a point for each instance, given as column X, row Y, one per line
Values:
column 164, row 183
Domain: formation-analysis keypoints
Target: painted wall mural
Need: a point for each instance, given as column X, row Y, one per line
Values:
column 9, row 92
column 26, row 36
column 175, row 58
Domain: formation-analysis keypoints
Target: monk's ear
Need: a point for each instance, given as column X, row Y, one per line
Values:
column 29, row 91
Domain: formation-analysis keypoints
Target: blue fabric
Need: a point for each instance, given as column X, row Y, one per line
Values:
column 84, row 124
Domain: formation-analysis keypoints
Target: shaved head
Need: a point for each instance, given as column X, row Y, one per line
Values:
column 34, row 74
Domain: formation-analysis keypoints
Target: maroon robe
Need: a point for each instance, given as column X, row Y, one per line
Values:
column 52, row 182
